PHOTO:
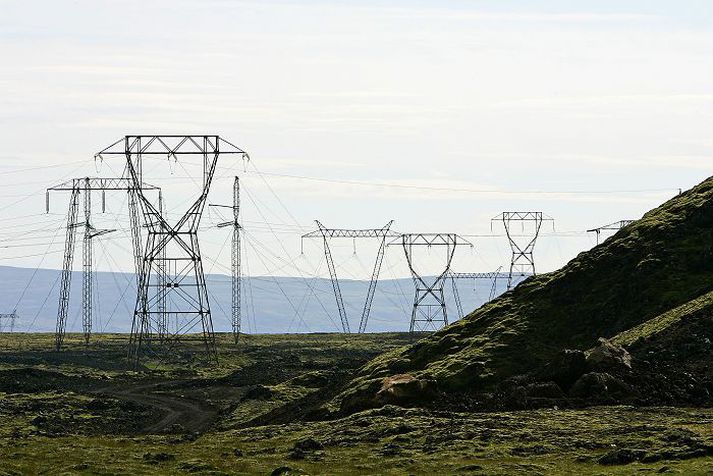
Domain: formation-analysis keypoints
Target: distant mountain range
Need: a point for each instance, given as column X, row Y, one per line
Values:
column 270, row 304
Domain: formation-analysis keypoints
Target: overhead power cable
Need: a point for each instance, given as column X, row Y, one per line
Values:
column 461, row 189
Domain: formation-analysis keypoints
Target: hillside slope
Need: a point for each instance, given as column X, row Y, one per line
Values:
column 652, row 266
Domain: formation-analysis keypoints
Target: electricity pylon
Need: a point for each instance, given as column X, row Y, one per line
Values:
column 12, row 317
column 616, row 226
column 77, row 187
column 522, row 263
column 326, row 234
column 492, row 277
column 429, row 304
column 236, row 277
column 185, row 285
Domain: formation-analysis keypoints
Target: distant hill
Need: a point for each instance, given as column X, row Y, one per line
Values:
column 266, row 302
column 646, row 287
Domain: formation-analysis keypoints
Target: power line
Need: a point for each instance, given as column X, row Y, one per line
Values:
column 459, row 189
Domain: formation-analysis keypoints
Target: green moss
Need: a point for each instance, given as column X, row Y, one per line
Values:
column 665, row 321
column 79, row 431
column 652, row 266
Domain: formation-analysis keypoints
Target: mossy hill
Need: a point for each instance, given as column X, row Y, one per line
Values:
column 638, row 283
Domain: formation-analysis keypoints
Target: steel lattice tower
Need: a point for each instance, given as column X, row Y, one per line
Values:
column 429, row 304
column 492, row 277
column 185, row 285
column 235, row 279
column 77, row 187
column 522, row 263
column 12, row 317
column 326, row 234
column 616, row 226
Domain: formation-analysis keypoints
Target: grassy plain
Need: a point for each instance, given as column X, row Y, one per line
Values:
column 265, row 408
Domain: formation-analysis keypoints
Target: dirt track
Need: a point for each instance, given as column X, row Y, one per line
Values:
column 191, row 415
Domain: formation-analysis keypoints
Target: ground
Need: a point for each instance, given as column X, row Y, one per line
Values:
column 264, row 408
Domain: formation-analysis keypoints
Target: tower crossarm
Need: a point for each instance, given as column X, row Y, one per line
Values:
column 523, row 216
column 612, row 226
column 170, row 145
column 616, row 226
column 491, row 275
column 100, row 183
column 430, row 239
column 97, row 184
column 323, row 231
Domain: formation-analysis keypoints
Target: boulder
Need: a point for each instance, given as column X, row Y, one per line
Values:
column 607, row 356
column 599, row 387
column 405, row 389
column 304, row 448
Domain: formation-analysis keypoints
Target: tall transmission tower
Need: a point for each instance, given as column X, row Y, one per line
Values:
column 429, row 304
column 492, row 277
column 236, row 277
column 616, row 226
column 522, row 245
column 10, row 318
column 185, row 285
column 326, row 234
column 84, row 187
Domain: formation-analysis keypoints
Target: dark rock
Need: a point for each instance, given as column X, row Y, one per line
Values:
column 548, row 390
column 566, row 368
column 308, row 444
column 597, row 387
column 281, row 470
column 470, row 467
column 400, row 429
column 530, row 450
column 259, row 392
column 196, row 466
column 314, row 379
column 305, row 447
column 296, row 454
column 390, row 449
column 158, row 457
column 621, row 457
column 682, row 436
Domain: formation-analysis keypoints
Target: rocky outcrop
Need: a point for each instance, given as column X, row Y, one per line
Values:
column 402, row 390
column 608, row 356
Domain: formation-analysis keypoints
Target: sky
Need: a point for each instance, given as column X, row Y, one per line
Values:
column 436, row 114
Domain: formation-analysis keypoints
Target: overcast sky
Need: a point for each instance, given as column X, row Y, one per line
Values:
column 590, row 111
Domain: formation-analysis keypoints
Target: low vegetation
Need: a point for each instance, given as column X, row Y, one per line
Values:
column 602, row 367
column 645, row 278
column 261, row 411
